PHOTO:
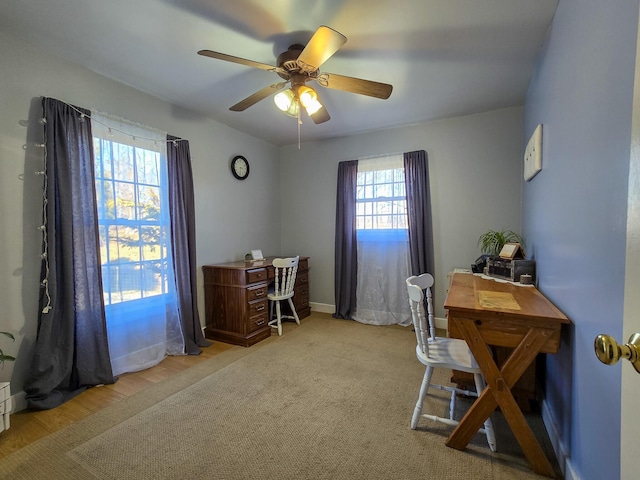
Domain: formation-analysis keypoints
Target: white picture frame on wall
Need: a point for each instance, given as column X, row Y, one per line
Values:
column 533, row 155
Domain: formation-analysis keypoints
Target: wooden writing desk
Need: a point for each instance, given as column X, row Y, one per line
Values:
column 236, row 305
column 488, row 312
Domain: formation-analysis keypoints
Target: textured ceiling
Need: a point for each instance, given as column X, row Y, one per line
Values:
column 444, row 58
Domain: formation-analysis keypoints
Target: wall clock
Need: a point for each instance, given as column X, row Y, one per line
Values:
column 240, row 167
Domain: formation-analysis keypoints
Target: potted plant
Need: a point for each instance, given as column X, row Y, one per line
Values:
column 492, row 241
column 3, row 357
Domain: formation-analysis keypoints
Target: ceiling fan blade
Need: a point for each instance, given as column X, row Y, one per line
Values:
column 324, row 43
column 355, row 85
column 241, row 61
column 256, row 97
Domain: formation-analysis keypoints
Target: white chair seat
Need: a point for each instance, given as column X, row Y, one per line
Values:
column 450, row 353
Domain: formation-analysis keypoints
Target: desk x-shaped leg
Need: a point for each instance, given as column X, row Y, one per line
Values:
column 498, row 393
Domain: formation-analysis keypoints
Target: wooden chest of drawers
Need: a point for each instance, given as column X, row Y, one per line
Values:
column 236, row 304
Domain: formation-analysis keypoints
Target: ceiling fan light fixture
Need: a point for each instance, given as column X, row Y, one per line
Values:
column 307, row 96
column 284, row 99
column 287, row 102
column 293, row 110
column 313, row 107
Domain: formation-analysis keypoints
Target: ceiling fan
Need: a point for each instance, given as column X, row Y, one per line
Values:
column 298, row 66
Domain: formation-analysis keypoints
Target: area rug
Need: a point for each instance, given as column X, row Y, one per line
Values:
column 329, row 399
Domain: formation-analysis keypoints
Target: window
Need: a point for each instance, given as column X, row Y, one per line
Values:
column 382, row 242
column 143, row 322
column 381, row 200
column 386, row 228
column 133, row 220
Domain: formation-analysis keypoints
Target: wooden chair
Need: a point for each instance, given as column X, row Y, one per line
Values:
column 440, row 352
column 284, row 281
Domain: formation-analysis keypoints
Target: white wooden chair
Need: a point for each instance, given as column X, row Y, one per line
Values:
column 440, row 352
column 284, row 281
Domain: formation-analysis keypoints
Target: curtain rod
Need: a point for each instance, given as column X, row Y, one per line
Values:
column 380, row 155
column 114, row 117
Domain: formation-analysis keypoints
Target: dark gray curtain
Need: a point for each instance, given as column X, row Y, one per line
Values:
column 346, row 247
column 183, row 240
column 416, row 175
column 71, row 351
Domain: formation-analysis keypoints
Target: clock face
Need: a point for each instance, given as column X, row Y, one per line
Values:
column 240, row 167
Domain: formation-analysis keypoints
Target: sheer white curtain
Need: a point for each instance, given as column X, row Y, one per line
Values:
column 383, row 253
column 142, row 315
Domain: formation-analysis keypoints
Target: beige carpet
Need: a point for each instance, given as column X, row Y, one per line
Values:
column 330, row 399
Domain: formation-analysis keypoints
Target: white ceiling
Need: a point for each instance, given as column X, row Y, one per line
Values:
column 444, row 58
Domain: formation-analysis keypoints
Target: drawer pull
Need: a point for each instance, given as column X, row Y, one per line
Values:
column 259, row 293
column 260, row 308
column 260, row 322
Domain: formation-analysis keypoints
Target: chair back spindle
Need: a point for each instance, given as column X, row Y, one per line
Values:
column 416, row 303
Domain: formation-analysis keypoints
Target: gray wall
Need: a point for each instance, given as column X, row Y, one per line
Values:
column 475, row 166
column 232, row 217
column 574, row 216
column 286, row 206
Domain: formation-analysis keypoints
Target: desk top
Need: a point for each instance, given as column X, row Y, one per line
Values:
column 485, row 297
column 250, row 264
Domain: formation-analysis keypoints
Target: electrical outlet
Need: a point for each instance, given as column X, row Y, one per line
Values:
column 533, row 154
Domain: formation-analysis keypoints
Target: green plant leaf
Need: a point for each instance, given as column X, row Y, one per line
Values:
column 492, row 241
column 7, row 334
column 3, row 357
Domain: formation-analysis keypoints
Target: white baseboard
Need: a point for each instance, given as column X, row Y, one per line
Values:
column 442, row 323
column 559, row 446
column 322, row 307
column 19, row 401
column 328, row 308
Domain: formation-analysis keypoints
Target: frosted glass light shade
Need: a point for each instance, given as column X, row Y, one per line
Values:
column 284, row 99
column 287, row 102
column 307, row 96
column 313, row 106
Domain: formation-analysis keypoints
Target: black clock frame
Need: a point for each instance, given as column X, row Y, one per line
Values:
column 236, row 159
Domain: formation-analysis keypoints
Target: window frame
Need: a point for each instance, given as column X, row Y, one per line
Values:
column 107, row 221
column 370, row 205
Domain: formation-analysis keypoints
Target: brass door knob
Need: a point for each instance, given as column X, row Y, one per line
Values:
column 609, row 352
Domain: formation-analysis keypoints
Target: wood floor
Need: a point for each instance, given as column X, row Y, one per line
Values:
column 29, row 426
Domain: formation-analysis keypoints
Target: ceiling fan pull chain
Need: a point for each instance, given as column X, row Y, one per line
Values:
column 299, row 123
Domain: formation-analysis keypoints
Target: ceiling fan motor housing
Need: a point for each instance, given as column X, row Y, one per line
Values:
column 288, row 60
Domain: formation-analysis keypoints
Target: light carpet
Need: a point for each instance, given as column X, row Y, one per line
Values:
column 330, row 399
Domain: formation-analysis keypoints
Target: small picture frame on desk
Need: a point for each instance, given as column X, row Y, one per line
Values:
column 511, row 251
column 257, row 255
